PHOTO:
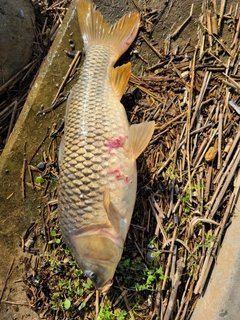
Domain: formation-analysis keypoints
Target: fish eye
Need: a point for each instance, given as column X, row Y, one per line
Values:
column 90, row 274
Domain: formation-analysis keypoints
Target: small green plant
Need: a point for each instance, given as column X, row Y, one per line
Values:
column 187, row 210
column 88, row 284
column 159, row 164
column 192, row 267
column 199, row 187
column 55, row 238
column 156, row 252
column 60, row 304
column 107, row 314
column 208, row 240
column 170, row 173
column 66, row 289
column 67, row 304
column 39, row 180
column 55, row 266
column 123, row 265
column 152, row 278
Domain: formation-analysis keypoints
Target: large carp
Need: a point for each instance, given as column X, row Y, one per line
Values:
column 98, row 177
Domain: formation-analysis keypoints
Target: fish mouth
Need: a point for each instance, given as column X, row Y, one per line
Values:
column 104, row 289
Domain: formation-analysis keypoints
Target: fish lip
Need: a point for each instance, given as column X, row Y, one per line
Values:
column 104, row 289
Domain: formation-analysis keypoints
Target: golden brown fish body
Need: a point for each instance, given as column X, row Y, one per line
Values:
column 98, row 177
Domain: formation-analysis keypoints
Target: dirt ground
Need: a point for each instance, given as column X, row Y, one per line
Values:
column 18, row 213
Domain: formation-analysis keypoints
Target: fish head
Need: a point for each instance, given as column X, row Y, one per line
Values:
column 98, row 256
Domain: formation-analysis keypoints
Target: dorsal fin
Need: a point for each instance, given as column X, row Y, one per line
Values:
column 119, row 78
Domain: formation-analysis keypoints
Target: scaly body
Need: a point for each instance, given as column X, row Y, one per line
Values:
column 96, row 151
column 98, row 177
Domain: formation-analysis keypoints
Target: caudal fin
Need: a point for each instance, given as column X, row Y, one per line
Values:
column 95, row 30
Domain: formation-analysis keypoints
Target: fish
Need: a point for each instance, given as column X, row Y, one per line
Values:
column 98, row 152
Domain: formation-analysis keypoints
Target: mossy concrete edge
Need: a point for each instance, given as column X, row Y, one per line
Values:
column 17, row 212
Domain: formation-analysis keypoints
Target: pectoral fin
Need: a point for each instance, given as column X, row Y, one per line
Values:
column 139, row 137
column 113, row 214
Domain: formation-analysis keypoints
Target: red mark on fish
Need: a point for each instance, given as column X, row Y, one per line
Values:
column 116, row 142
column 119, row 176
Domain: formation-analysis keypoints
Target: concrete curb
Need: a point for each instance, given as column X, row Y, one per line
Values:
column 222, row 295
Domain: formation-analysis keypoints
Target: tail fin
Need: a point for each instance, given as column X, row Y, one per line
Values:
column 95, row 30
